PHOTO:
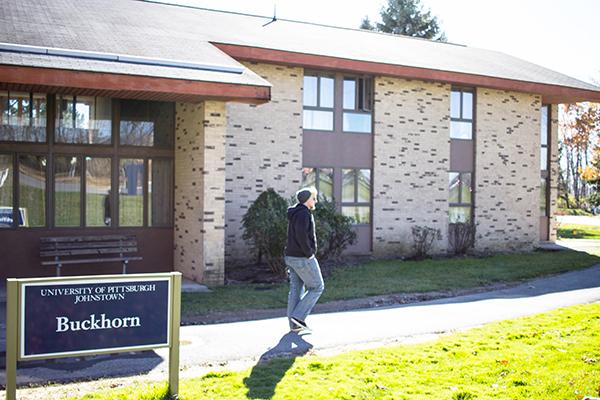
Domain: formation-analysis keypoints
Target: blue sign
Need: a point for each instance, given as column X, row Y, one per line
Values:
column 6, row 216
column 79, row 316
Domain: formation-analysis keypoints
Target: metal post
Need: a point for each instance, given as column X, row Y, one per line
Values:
column 12, row 301
column 174, row 347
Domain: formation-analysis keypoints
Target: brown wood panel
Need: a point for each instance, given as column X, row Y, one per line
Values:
column 20, row 252
column 345, row 150
column 126, row 86
column 552, row 94
column 461, row 155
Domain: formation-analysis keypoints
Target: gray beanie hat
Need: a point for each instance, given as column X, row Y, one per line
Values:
column 303, row 195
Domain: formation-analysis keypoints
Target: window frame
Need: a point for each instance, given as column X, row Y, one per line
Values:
column 338, row 109
column 360, row 87
column 357, row 203
column 460, row 203
column 31, row 93
column 318, row 107
column 318, row 180
column 461, row 91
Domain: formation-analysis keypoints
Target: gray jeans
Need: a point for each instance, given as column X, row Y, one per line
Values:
column 306, row 286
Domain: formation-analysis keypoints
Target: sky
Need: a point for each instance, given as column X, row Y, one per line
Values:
column 562, row 35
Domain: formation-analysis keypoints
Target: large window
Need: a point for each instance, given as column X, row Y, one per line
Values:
column 98, row 199
column 461, row 114
column 131, row 192
column 67, row 191
column 83, row 119
column 145, row 123
column 459, row 186
column 22, row 117
column 318, row 102
column 356, row 195
column 32, row 189
column 83, row 175
column 320, row 178
column 357, row 104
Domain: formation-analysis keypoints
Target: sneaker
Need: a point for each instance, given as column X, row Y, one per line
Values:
column 299, row 325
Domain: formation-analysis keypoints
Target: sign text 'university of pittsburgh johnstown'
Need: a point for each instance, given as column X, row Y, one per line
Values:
column 78, row 316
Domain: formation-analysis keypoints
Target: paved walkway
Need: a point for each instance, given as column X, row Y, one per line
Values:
column 579, row 220
column 243, row 344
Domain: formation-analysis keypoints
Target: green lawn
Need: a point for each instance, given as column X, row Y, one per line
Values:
column 551, row 356
column 575, row 231
column 395, row 277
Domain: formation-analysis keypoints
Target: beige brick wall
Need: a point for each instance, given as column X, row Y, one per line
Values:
column 264, row 150
column 507, row 172
column 553, row 169
column 199, row 191
column 410, row 176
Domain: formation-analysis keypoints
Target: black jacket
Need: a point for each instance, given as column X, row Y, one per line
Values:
column 301, row 238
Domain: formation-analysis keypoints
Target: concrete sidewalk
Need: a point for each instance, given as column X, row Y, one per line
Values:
column 243, row 344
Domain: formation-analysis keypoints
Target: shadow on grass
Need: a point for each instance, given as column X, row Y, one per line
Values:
column 273, row 365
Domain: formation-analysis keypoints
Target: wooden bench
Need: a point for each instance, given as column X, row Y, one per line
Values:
column 67, row 250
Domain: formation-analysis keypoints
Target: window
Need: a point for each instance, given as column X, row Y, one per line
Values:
column 32, row 189
column 357, row 104
column 356, row 195
column 318, row 100
column 543, row 198
column 146, row 123
column 131, row 192
column 459, row 187
column 6, row 190
column 544, row 138
column 461, row 114
column 98, row 198
column 56, row 184
column 83, row 120
column 67, row 191
column 320, row 178
column 22, row 117
column 160, row 200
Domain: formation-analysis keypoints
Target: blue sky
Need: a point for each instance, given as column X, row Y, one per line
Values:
column 557, row 34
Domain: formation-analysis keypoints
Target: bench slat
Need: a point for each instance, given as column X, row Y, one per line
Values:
column 79, row 252
column 82, row 245
column 72, row 239
column 91, row 260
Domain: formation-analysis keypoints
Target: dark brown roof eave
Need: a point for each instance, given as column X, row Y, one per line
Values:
column 127, row 86
column 551, row 94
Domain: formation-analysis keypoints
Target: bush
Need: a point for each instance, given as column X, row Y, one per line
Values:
column 265, row 228
column 423, row 237
column 334, row 230
column 461, row 236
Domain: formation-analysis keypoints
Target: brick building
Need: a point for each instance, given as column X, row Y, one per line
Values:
column 168, row 121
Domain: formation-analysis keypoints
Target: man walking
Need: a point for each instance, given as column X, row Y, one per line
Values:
column 306, row 281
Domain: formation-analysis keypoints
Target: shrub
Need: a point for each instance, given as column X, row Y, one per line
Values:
column 334, row 230
column 423, row 237
column 461, row 236
column 265, row 228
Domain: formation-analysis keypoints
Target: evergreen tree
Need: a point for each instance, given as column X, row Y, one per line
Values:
column 407, row 17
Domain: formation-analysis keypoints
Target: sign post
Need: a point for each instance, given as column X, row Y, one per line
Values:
column 89, row 315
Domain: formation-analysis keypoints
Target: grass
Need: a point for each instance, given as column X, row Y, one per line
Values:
column 575, row 231
column 551, row 356
column 395, row 277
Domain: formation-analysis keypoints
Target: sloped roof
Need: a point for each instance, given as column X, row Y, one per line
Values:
column 152, row 29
